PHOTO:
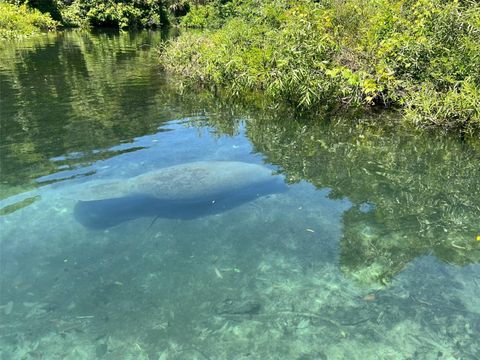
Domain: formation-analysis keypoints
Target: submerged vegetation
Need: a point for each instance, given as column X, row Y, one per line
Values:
column 422, row 56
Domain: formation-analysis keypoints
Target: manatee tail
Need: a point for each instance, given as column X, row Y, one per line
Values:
column 102, row 214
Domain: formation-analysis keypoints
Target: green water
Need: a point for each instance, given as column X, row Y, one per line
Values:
column 370, row 254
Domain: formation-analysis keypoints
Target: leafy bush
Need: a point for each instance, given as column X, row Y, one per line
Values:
column 457, row 108
column 291, row 65
column 212, row 14
column 432, row 50
column 123, row 14
column 198, row 16
column 420, row 55
column 110, row 13
column 44, row 6
column 73, row 15
column 20, row 21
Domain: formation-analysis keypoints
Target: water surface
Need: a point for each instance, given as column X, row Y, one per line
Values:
column 371, row 253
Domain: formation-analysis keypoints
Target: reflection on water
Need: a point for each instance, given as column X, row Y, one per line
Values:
column 411, row 196
column 370, row 254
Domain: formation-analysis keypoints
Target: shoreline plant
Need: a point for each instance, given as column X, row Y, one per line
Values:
column 420, row 56
column 22, row 21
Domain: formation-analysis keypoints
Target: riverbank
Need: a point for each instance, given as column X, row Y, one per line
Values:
column 421, row 57
column 417, row 57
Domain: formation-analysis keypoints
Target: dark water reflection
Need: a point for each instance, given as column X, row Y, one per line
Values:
column 373, row 249
column 67, row 98
column 412, row 195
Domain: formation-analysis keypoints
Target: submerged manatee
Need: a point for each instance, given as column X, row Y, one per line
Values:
column 184, row 191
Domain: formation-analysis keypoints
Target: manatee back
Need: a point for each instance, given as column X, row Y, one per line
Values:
column 200, row 180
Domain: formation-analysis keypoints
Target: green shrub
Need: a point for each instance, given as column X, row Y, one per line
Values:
column 291, row 65
column 73, row 15
column 50, row 7
column 341, row 53
column 432, row 50
column 20, row 21
column 457, row 108
column 124, row 14
column 211, row 14
column 198, row 17
column 110, row 13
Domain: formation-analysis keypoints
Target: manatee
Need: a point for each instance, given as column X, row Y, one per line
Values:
column 185, row 191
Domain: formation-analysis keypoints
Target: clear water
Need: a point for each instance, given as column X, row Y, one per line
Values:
column 372, row 253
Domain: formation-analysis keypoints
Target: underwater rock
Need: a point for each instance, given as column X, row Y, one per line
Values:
column 184, row 191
